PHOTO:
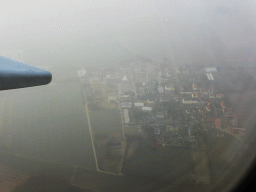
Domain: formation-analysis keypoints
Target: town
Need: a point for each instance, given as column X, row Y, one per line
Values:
column 171, row 102
column 169, row 106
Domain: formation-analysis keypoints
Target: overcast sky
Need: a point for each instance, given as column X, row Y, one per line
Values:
column 106, row 31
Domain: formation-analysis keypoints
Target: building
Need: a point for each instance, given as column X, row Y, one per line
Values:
column 139, row 104
column 210, row 69
column 204, row 91
column 239, row 131
column 164, row 99
column 157, row 145
column 181, row 88
column 112, row 97
column 201, row 110
column 127, row 73
column 126, row 104
column 228, row 112
column 219, row 96
column 210, row 76
column 126, row 116
column 194, row 95
column 81, row 72
column 186, row 92
column 147, row 109
column 194, row 85
column 156, row 131
column 160, row 139
column 150, row 102
column 222, row 105
column 208, row 107
column 125, row 98
column 190, row 101
column 212, row 96
column 161, row 115
column 218, row 123
column 169, row 88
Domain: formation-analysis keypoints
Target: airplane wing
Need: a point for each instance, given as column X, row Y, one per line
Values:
column 15, row 74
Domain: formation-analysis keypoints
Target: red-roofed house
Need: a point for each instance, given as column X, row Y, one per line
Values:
column 194, row 85
column 208, row 107
column 223, row 105
column 158, row 145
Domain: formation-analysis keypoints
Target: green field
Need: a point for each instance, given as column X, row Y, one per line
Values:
column 161, row 164
column 106, row 128
column 106, row 122
column 48, row 123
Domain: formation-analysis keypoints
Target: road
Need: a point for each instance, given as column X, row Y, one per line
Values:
column 91, row 134
column 121, row 113
column 93, row 146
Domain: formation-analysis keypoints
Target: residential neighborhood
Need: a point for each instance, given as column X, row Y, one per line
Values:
column 155, row 97
column 165, row 106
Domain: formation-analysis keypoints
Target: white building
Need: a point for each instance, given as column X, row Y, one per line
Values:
column 210, row 69
column 124, row 78
column 139, row 104
column 126, row 116
column 147, row 108
column 210, row 76
column 190, row 101
column 81, row 73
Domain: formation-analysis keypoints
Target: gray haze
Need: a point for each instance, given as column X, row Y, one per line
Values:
column 51, row 122
column 101, row 33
